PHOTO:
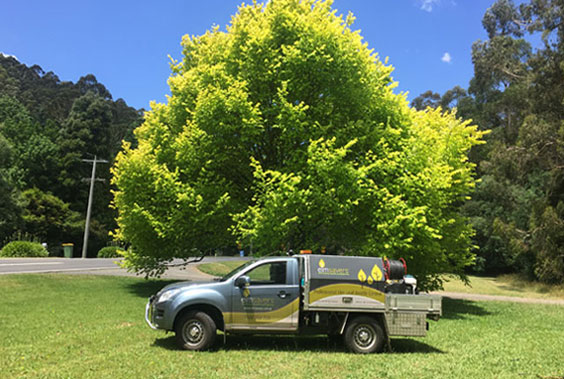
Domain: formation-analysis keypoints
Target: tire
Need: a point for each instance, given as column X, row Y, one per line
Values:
column 364, row 335
column 195, row 330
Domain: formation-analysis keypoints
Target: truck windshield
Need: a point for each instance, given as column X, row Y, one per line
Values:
column 239, row 268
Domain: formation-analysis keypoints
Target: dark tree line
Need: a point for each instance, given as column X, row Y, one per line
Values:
column 517, row 93
column 47, row 126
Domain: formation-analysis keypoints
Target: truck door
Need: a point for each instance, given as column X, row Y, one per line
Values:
column 270, row 301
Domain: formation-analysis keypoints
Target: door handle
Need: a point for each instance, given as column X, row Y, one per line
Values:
column 282, row 294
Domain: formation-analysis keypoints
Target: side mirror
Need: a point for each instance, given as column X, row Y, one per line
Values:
column 242, row 281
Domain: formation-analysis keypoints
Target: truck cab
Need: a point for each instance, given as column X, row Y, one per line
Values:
column 350, row 297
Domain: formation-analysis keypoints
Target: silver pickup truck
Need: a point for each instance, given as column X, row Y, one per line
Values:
column 363, row 300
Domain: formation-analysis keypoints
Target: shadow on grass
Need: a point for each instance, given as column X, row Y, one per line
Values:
column 320, row 344
column 263, row 342
column 284, row 343
column 147, row 288
column 457, row 309
column 406, row 345
column 168, row 342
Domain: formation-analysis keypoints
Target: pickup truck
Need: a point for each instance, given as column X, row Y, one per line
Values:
column 363, row 300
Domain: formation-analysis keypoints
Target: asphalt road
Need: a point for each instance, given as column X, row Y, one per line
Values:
column 98, row 266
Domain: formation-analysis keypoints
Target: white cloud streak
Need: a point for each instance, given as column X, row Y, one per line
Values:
column 446, row 58
column 427, row 5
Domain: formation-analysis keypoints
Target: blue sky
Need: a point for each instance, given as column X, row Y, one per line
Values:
column 125, row 44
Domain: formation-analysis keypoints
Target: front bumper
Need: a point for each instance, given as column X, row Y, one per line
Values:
column 149, row 312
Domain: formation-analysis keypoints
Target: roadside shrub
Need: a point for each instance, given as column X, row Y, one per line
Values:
column 109, row 252
column 23, row 249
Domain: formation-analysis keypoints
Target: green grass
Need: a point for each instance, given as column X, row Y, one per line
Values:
column 507, row 285
column 220, row 268
column 86, row 326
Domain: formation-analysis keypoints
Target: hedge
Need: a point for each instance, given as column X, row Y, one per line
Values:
column 23, row 249
column 109, row 252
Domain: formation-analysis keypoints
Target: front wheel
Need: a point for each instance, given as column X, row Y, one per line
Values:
column 364, row 335
column 195, row 330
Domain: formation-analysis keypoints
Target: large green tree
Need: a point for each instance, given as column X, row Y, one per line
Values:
column 284, row 132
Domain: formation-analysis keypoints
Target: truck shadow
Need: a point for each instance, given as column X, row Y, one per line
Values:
column 407, row 346
column 320, row 344
column 148, row 287
column 458, row 309
column 283, row 343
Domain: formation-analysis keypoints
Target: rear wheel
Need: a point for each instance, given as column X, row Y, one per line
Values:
column 364, row 335
column 195, row 330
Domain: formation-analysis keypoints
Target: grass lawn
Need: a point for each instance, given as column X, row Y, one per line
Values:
column 220, row 268
column 507, row 285
column 90, row 326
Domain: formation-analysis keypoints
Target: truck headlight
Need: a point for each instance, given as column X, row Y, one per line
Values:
column 167, row 295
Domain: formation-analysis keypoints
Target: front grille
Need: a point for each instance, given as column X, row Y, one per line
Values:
column 159, row 313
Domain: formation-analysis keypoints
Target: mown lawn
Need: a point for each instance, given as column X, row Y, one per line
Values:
column 86, row 326
column 507, row 285
column 220, row 268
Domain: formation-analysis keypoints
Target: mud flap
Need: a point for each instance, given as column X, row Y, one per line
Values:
column 388, row 339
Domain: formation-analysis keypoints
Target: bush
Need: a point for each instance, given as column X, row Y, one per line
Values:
column 109, row 252
column 23, row 249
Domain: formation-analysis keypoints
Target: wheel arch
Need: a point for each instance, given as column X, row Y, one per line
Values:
column 210, row 310
column 379, row 317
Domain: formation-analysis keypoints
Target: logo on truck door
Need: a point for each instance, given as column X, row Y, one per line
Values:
column 257, row 303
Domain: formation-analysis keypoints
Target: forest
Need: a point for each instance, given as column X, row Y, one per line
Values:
column 48, row 127
column 517, row 95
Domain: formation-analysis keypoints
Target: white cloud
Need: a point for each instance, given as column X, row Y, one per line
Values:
column 8, row 55
column 427, row 5
column 446, row 58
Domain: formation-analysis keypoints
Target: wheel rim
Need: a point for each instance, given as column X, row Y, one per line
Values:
column 364, row 336
column 193, row 332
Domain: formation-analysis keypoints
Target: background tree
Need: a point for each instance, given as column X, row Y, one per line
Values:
column 9, row 210
column 85, row 133
column 48, row 218
column 426, row 99
column 517, row 93
column 284, row 131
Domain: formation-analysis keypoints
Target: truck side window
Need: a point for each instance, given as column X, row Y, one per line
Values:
column 269, row 273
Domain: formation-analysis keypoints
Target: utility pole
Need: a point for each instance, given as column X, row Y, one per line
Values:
column 90, row 197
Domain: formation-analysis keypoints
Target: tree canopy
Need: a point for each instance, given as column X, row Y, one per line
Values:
column 284, row 132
